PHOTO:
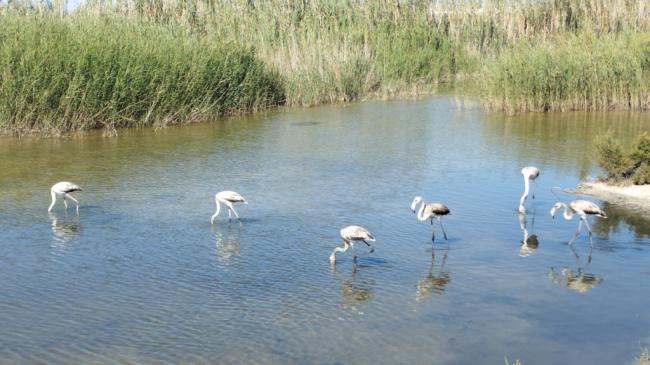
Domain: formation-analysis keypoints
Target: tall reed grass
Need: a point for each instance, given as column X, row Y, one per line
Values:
column 190, row 55
column 572, row 72
column 105, row 72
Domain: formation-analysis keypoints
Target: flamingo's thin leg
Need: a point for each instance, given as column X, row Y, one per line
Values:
column 575, row 235
column 532, row 188
column 234, row 211
column 74, row 200
column 443, row 228
column 587, row 225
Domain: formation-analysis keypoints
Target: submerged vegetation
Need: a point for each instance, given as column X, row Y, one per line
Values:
column 625, row 164
column 150, row 62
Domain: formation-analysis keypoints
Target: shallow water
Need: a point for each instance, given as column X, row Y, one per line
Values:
column 140, row 276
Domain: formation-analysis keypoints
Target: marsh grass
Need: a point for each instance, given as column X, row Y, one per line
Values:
column 582, row 71
column 107, row 72
column 146, row 62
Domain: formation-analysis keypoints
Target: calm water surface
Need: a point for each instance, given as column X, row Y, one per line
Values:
column 140, row 275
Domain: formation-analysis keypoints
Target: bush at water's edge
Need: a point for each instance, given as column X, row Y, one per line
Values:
column 624, row 164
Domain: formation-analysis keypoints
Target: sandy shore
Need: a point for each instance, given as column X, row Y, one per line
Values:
column 637, row 196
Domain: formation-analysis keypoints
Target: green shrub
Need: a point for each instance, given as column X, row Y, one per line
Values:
column 641, row 175
column 611, row 157
column 633, row 166
column 641, row 153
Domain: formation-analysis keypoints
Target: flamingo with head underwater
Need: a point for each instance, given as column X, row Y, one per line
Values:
column 63, row 189
column 227, row 198
column 350, row 234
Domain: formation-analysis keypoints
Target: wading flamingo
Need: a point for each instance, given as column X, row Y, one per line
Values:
column 63, row 189
column 227, row 198
column 581, row 207
column 350, row 234
column 530, row 173
column 429, row 211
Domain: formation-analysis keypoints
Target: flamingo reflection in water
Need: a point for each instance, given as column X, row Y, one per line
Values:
column 433, row 282
column 226, row 245
column 530, row 243
column 64, row 229
column 577, row 280
column 353, row 289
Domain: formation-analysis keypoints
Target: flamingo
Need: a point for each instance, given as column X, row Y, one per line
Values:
column 63, row 189
column 429, row 211
column 581, row 207
column 350, row 234
column 227, row 198
column 530, row 173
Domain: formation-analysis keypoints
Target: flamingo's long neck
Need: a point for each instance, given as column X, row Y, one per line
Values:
column 568, row 212
column 526, row 190
column 217, row 212
column 420, row 214
column 218, row 206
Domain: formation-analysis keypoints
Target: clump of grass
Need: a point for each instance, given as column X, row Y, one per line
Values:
column 572, row 72
column 82, row 72
column 623, row 165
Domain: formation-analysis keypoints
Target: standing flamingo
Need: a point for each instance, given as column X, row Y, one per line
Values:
column 530, row 173
column 227, row 198
column 429, row 211
column 63, row 189
column 582, row 208
column 349, row 235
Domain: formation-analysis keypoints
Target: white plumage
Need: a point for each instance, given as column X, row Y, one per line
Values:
column 350, row 234
column 429, row 211
column 583, row 208
column 63, row 189
column 530, row 173
column 227, row 198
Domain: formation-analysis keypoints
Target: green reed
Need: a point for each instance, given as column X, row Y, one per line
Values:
column 152, row 62
column 105, row 72
column 572, row 72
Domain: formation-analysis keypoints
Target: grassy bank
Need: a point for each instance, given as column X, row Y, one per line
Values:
column 146, row 62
